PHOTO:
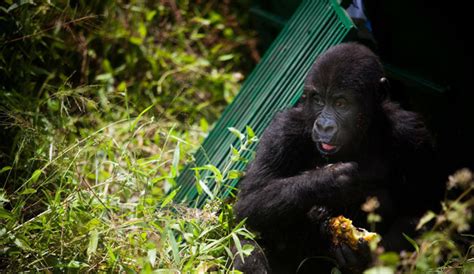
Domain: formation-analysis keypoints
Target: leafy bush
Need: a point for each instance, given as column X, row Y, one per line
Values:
column 445, row 243
column 102, row 102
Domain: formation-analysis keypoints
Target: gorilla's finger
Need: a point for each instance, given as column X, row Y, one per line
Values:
column 319, row 213
column 348, row 168
column 363, row 249
column 341, row 261
column 349, row 255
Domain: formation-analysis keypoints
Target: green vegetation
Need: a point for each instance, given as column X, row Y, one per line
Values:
column 102, row 102
column 101, row 105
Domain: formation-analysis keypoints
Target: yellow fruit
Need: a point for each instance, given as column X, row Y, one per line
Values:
column 344, row 232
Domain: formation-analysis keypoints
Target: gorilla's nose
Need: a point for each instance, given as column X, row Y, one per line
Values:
column 326, row 126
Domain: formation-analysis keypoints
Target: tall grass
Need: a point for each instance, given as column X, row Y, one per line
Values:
column 101, row 104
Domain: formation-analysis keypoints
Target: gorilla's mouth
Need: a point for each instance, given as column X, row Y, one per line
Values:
column 326, row 148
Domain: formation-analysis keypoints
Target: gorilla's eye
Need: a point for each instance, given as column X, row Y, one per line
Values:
column 318, row 100
column 340, row 103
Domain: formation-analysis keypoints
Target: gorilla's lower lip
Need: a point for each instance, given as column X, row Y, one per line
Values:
column 327, row 148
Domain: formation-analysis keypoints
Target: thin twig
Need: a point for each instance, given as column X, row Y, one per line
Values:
column 52, row 27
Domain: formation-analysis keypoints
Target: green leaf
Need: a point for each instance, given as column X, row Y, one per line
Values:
column 35, row 176
column 412, row 242
column 150, row 15
column 380, row 270
column 238, row 245
column 235, row 174
column 5, row 168
column 169, row 198
column 247, row 249
column 174, row 247
column 134, row 123
column 175, row 163
column 236, row 132
column 430, row 215
column 22, row 244
column 142, row 30
column 151, row 254
column 76, row 264
column 250, row 133
column 389, row 258
column 136, row 40
column 93, row 241
column 235, row 152
column 110, row 252
column 217, row 173
column 204, row 125
column 206, row 189
column 5, row 214
column 104, row 77
column 122, row 86
column 226, row 57
column 28, row 191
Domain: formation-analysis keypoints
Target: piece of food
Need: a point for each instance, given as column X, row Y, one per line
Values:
column 344, row 232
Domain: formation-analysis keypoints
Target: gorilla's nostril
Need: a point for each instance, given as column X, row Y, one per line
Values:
column 325, row 126
column 330, row 129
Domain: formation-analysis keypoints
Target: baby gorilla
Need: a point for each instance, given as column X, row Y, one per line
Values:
column 345, row 142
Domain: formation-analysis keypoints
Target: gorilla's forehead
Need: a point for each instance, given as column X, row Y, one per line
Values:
column 333, row 84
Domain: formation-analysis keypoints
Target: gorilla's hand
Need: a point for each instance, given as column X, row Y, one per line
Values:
column 352, row 260
column 341, row 173
column 342, row 178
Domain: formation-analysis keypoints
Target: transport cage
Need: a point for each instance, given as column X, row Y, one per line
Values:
column 276, row 83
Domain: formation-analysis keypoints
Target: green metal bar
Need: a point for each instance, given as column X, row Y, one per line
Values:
column 267, row 81
column 280, row 84
column 227, row 191
column 412, row 79
column 272, row 65
column 276, row 83
column 289, row 99
column 342, row 14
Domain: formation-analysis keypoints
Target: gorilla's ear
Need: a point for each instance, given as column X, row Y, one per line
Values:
column 384, row 89
column 301, row 100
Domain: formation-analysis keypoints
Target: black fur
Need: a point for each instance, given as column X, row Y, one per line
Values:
column 389, row 155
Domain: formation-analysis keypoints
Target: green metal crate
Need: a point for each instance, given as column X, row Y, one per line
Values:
column 275, row 84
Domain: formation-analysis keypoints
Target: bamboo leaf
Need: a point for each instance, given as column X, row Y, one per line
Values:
column 236, row 132
column 430, row 215
column 206, row 189
column 35, row 176
column 412, row 242
column 169, row 198
column 174, row 247
column 93, row 241
column 5, row 168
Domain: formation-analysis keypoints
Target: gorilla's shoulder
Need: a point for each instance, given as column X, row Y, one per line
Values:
column 286, row 133
column 287, row 123
column 407, row 128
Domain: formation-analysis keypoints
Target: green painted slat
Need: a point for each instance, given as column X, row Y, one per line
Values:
column 234, row 111
column 279, row 84
column 325, row 43
column 289, row 99
column 276, row 83
column 267, row 66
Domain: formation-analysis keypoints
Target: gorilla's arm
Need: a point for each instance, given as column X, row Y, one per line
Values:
column 278, row 187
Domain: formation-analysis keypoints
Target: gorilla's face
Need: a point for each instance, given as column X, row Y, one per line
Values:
column 340, row 121
column 341, row 92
